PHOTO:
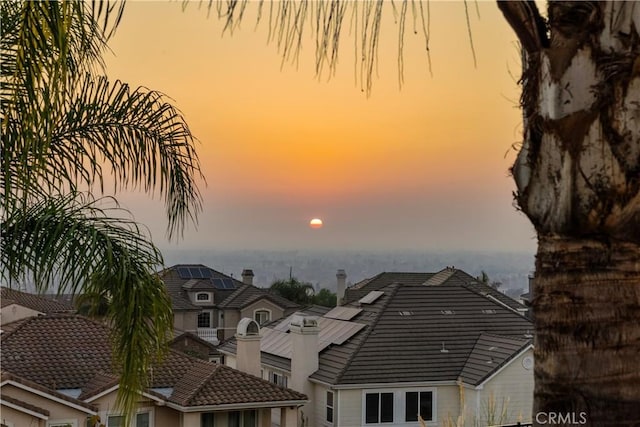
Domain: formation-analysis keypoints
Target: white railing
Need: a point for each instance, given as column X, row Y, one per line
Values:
column 209, row 334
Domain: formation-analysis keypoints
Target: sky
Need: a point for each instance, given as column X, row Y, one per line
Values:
column 423, row 167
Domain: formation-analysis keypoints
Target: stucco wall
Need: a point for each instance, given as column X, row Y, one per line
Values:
column 263, row 304
column 57, row 411
column 511, row 389
column 14, row 418
column 14, row 312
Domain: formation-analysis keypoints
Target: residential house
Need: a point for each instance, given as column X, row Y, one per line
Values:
column 16, row 305
column 57, row 370
column 442, row 346
column 210, row 304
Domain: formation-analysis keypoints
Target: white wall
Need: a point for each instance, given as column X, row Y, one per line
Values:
column 512, row 389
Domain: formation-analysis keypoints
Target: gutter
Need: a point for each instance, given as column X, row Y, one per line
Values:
column 240, row 406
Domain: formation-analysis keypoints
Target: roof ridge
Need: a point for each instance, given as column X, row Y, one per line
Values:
column 493, row 299
column 394, row 289
column 202, row 381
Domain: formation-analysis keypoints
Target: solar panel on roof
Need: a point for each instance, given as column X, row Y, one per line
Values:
column 370, row 297
column 184, row 273
column 343, row 313
column 217, row 282
column 206, row 273
column 228, row 283
column 196, row 272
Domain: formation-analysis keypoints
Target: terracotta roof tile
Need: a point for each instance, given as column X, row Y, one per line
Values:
column 33, row 301
column 25, row 405
column 9, row 376
column 71, row 351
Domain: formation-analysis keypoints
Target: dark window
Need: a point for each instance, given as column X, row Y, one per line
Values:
column 207, row 419
column 279, row 379
column 330, row 406
column 204, row 320
column 243, row 419
column 372, row 403
column 419, row 403
column 262, row 317
column 378, row 408
column 386, row 407
column 234, row 419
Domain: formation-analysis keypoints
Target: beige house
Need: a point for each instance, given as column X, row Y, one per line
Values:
column 437, row 345
column 57, row 371
column 210, row 304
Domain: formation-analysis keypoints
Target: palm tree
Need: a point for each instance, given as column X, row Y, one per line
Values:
column 67, row 133
column 577, row 176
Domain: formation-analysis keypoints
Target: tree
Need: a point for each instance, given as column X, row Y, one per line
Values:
column 484, row 278
column 293, row 290
column 325, row 298
column 577, row 176
column 66, row 132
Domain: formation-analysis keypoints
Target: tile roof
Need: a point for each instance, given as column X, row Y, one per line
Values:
column 489, row 353
column 35, row 302
column 248, row 294
column 408, row 326
column 8, row 376
column 176, row 286
column 25, row 405
column 71, row 351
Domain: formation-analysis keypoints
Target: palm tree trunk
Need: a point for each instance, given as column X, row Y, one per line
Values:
column 578, row 181
column 587, row 319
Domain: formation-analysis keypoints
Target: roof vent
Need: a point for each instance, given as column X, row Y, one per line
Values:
column 447, row 312
column 405, row 313
column 528, row 334
column 489, row 311
column 490, row 361
column 443, row 349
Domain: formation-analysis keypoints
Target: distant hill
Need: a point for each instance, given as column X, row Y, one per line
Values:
column 319, row 267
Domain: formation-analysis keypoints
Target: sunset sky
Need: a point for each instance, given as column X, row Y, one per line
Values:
column 421, row 167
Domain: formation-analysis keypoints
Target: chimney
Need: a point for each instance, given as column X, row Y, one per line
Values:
column 248, row 347
column 247, row 277
column 304, row 331
column 342, row 286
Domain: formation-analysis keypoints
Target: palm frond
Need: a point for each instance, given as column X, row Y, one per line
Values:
column 287, row 20
column 141, row 138
column 77, row 242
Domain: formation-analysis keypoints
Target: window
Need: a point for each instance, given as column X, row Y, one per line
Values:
column 204, row 319
column 262, row 316
column 330, row 406
column 143, row 419
column 115, row 421
column 207, row 419
column 243, row 419
column 203, row 296
column 279, row 379
column 418, row 403
column 378, row 408
column 62, row 423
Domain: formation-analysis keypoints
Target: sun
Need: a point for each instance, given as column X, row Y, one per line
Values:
column 315, row 223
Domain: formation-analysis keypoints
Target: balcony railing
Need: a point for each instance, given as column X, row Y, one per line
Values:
column 209, row 334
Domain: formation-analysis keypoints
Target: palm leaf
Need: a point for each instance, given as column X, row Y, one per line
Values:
column 77, row 242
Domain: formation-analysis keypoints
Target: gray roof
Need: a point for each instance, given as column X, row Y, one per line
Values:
column 237, row 298
column 176, row 286
column 407, row 328
column 248, row 294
